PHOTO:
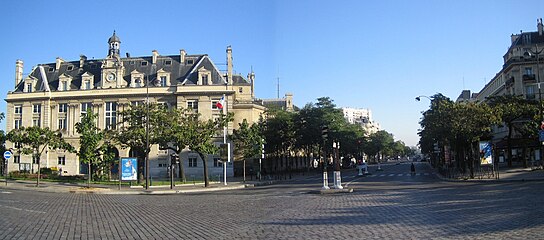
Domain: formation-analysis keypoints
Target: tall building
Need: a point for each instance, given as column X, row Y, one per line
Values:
column 521, row 74
column 363, row 117
column 56, row 95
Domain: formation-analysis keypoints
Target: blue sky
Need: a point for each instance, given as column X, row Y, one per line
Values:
column 364, row 54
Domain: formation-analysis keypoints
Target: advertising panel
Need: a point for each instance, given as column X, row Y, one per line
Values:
column 486, row 154
column 128, row 169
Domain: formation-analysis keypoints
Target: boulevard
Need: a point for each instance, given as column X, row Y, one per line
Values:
column 388, row 204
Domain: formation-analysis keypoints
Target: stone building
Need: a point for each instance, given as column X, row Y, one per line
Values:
column 363, row 117
column 521, row 74
column 55, row 95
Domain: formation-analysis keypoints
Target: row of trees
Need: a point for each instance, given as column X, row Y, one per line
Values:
column 286, row 134
column 140, row 127
column 461, row 125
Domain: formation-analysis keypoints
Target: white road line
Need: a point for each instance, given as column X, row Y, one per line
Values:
column 20, row 209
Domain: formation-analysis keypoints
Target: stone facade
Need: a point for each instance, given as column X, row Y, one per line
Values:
column 55, row 95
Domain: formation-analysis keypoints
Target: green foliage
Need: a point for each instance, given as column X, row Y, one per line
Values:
column 34, row 140
column 247, row 140
column 182, row 128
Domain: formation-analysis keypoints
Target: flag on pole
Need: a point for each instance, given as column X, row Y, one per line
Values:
column 221, row 102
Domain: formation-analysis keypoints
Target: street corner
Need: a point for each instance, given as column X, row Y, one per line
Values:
column 332, row 191
column 89, row 190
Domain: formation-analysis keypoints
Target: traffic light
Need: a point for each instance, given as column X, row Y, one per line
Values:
column 325, row 132
column 224, row 149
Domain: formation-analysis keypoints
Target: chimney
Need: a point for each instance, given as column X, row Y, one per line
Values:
column 182, row 55
column 82, row 59
column 539, row 26
column 18, row 71
column 155, row 55
column 58, row 62
column 229, row 65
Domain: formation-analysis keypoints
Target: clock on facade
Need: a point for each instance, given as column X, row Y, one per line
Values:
column 111, row 77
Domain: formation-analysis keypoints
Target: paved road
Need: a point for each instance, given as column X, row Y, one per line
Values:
column 390, row 204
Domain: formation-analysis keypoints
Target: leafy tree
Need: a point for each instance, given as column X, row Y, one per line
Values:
column 96, row 148
column 436, row 125
column 89, row 141
column 247, row 142
column 513, row 111
column 380, row 144
column 279, row 133
column 200, row 135
column 34, row 140
column 138, row 125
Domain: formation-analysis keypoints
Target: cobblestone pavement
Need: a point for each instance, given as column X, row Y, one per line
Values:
column 404, row 207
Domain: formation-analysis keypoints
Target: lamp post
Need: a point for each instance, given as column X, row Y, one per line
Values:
column 337, row 176
column 537, row 53
column 418, row 98
column 147, row 134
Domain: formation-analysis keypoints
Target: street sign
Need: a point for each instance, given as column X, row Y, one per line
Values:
column 7, row 155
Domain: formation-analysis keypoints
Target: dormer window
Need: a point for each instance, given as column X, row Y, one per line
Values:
column 137, row 79
column 144, row 63
column 64, row 86
column 70, row 68
column 204, row 77
column 163, row 78
column 51, row 69
column 64, row 82
column 28, row 87
column 87, row 81
column 167, row 62
column 190, row 62
column 163, row 81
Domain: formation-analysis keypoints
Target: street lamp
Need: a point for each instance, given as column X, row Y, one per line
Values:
column 147, row 135
column 530, row 52
column 418, row 98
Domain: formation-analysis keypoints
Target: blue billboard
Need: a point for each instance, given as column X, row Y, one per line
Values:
column 129, row 168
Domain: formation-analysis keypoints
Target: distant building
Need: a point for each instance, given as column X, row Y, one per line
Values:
column 285, row 103
column 56, row 95
column 362, row 117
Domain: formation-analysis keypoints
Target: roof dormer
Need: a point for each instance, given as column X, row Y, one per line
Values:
column 204, row 76
column 30, row 84
column 87, row 81
column 136, row 79
column 65, row 81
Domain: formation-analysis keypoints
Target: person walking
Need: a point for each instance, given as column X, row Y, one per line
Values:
column 413, row 169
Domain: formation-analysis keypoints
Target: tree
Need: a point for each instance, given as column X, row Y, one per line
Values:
column 247, row 142
column 95, row 146
column 138, row 124
column 200, row 135
column 279, row 134
column 34, row 140
column 513, row 110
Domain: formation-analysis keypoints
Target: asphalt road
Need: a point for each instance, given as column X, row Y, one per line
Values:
column 389, row 204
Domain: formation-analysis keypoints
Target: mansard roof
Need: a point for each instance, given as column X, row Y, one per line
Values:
column 185, row 73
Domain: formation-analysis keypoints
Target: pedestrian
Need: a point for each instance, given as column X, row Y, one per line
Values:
column 413, row 169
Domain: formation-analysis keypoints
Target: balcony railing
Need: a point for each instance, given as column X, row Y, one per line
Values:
column 528, row 77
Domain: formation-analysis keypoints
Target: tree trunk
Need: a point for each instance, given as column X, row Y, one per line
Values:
column 508, row 145
column 181, row 169
column 244, row 167
column 205, row 165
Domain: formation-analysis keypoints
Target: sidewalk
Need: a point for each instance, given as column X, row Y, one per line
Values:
column 61, row 187
column 506, row 175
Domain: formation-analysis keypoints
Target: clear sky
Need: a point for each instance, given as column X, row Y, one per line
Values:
column 364, row 54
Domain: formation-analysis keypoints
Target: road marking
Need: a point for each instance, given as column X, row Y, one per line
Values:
column 5, row 192
column 20, row 209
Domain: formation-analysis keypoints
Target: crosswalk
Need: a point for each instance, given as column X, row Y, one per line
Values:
column 397, row 175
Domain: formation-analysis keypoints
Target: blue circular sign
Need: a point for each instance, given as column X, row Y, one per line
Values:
column 7, row 155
